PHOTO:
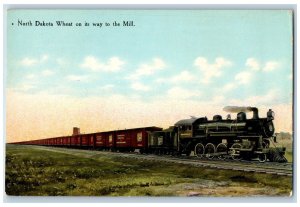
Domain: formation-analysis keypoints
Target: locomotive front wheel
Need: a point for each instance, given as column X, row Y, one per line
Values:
column 199, row 150
column 235, row 152
column 221, row 148
column 262, row 157
column 210, row 149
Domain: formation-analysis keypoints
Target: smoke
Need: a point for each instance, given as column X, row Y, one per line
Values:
column 237, row 109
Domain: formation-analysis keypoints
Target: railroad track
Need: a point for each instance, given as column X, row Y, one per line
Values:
column 282, row 169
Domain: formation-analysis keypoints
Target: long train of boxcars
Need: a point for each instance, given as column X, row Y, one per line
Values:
column 239, row 138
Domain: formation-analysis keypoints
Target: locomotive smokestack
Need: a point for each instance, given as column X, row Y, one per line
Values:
column 255, row 113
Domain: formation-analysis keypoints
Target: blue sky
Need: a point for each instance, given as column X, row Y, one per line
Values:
column 177, row 38
column 215, row 57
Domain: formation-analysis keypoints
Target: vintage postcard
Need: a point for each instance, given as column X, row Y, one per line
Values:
column 115, row 102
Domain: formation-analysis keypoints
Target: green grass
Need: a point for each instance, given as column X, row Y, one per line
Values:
column 289, row 156
column 44, row 171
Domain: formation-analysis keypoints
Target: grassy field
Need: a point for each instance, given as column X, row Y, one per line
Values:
column 289, row 156
column 40, row 171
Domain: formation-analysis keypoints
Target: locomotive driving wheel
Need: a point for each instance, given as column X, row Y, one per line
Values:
column 210, row 149
column 235, row 152
column 221, row 148
column 199, row 150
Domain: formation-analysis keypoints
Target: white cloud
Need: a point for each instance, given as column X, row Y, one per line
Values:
column 23, row 87
column 148, row 68
column 29, row 62
column 26, row 87
column 253, row 64
column 139, row 86
column 243, row 77
column 62, row 62
column 77, row 77
column 180, row 93
column 246, row 76
column 218, row 99
column 31, row 76
column 44, row 58
column 47, row 72
column 184, row 76
column 229, row 86
column 270, row 98
column 270, row 66
column 113, row 64
column 107, row 87
column 211, row 70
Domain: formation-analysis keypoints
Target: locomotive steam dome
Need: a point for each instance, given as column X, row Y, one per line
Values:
column 217, row 118
column 241, row 116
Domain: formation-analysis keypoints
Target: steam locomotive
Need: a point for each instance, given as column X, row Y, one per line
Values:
column 239, row 138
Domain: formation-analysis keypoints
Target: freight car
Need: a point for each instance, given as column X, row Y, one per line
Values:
column 239, row 138
column 126, row 140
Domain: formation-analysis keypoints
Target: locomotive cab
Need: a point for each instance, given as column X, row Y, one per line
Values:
column 185, row 127
column 188, row 128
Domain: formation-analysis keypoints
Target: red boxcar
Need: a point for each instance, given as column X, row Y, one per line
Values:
column 131, row 139
column 75, row 140
column 55, row 141
column 84, row 140
column 123, row 138
column 46, row 142
column 91, row 138
column 66, row 141
column 100, row 140
column 110, row 139
column 51, row 141
column 60, row 141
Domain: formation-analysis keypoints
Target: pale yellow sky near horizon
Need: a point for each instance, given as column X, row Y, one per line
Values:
column 36, row 116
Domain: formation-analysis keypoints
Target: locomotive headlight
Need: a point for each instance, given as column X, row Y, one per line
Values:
column 270, row 114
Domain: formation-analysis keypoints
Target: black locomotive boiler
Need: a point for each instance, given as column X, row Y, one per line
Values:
column 238, row 138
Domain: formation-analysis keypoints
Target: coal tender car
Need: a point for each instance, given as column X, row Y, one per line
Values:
column 238, row 138
column 163, row 142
